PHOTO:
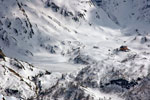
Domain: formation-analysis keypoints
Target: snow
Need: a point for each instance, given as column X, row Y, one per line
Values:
column 99, row 95
column 7, row 97
column 52, row 79
column 77, row 42
column 54, row 63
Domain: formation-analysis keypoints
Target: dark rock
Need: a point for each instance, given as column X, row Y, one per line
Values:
column 75, row 19
column 80, row 60
column 95, row 47
column 12, row 91
column 7, row 23
column 2, row 55
column 54, row 7
column 121, row 82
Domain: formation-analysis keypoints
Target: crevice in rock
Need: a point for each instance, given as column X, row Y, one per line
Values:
column 25, row 14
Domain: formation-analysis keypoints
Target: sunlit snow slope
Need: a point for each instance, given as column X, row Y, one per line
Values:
column 78, row 41
column 53, row 31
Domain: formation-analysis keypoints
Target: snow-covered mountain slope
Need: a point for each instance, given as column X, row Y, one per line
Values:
column 80, row 37
column 33, row 28
column 101, row 81
column 19, row 79
column 129, row 14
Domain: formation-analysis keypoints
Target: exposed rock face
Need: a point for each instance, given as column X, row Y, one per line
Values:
column 2, row 55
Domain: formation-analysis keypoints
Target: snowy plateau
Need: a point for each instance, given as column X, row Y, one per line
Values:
column 75, row 49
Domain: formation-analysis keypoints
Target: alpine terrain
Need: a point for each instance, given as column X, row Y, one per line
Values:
column 74, row 49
